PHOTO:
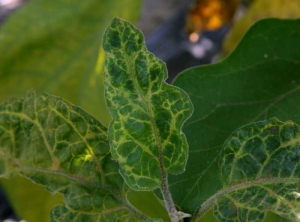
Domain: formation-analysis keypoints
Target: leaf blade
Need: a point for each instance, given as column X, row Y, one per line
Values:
column 145, row 133
column 61, row 147
column 263, row 162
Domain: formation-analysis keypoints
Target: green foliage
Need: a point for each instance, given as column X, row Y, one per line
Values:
column 145, row 132
column 55, row 47
column 260, row 171
column 63, row 143
column 259, row 80
column 63, row 148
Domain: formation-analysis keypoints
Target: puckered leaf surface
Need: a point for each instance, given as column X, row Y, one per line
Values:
column 258, row 81
column 260, row 162
column 147, row 113
column 60, row 146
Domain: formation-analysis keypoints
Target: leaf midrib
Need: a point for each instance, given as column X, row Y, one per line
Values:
column 148, row 109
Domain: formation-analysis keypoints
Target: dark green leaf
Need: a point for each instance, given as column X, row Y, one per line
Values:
column 260, row 172
column 145, row 133
column 60, row 146
column 259, row 80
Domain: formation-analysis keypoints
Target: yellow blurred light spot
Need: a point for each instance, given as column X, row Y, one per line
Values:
column 194, row 37
column 214, row 22
column 211, row 8
column 100, row 61
column 99, row 66
column 88, row 156
column 210, row 14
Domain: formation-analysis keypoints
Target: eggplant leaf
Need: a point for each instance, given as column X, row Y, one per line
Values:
column 148, row 114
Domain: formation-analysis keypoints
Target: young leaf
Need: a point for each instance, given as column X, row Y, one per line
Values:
column 145, row 132
column 260, row 172
column 259, row 80
column 61, row 147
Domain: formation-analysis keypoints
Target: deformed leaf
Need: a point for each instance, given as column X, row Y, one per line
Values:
column 60, row 146
column 260, row 172
column 148, row 114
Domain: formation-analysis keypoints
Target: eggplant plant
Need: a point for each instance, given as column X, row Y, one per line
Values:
column 212, row 140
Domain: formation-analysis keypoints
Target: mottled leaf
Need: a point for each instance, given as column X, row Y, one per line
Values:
column 60, row 146
column 145, row 132
column 260, row 172
column 258, row 81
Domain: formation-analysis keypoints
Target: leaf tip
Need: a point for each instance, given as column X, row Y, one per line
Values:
column 120, row 32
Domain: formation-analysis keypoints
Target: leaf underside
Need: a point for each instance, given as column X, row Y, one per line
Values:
column 147, row 113
column 260, row 162
column 60, row 146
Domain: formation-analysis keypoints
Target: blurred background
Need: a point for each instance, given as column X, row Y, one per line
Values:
column 186, row 33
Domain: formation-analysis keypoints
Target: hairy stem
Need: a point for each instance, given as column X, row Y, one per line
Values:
column 174, row 215
column 169, row 203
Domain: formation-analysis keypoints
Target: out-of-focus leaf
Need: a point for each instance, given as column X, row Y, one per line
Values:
column 259, row 80
column 145, row 133
column 54, row 47
column 30, row 198
column 260, row 9
column 61, row 147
